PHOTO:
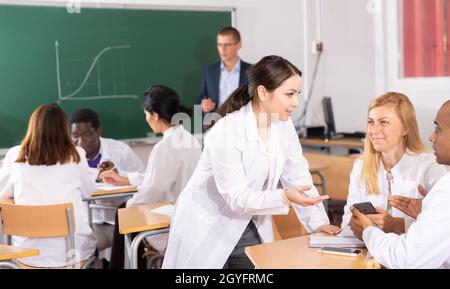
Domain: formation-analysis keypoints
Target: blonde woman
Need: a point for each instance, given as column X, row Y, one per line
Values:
column 395, row 162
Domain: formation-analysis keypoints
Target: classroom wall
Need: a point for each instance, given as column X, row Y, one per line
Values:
column 350, row 68
column 347, row 69
column 353, row 70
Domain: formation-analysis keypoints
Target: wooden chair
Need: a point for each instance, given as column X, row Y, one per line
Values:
column 41, row 222
column 337, row 173
column 287, row 226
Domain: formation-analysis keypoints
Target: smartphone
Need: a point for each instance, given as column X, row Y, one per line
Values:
column 339, row 251
column 366, row 208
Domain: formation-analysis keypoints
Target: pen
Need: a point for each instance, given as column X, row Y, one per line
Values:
column 100, row 171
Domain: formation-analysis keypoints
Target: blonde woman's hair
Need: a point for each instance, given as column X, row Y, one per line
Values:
column 412, row 141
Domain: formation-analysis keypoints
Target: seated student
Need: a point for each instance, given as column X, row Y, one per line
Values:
column 46, row 169
column 170, row 164
column 395, row 162
column 427, row 242
column 102, row 153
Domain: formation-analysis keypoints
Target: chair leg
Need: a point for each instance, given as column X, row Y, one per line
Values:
column 9, row 265
column 154, row 261
column 89, row 262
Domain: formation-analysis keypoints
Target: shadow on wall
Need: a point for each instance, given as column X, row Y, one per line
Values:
column 425, row 119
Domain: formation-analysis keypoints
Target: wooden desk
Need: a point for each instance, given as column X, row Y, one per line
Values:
column 8, row 253
column 317, row 168
column 350, row 143
column 99, row 195
column 7, row 201
column 141, row 220
column 295, row 254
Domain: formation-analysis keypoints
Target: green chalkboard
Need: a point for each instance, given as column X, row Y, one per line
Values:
column 103, row 59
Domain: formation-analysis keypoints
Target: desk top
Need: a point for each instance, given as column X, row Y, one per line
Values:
column 119, row 191
column 11, row 252
column 343, row 142
column 295, row 254
column 315, row 168
column 140, row 218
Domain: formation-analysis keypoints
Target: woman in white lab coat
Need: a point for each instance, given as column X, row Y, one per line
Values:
column 427, row 242
column 395, row 163
column 48, row 169
column 170, row 164
column 228, row 202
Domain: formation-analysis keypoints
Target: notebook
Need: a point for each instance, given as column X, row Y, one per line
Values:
column 164, row 210
column 339, row 241
column 109, row 187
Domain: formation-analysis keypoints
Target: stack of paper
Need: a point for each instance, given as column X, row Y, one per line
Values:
column 164, row 210
column 109, row 187
column 317, row 241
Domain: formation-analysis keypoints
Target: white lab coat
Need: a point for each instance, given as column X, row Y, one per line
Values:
column 49, row 185
column 427, row 242
column 125, row 160
column 226, row 191
column 170, row 166
column 408, row 173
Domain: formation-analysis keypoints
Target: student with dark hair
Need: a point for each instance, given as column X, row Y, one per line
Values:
column 170, row 164
column 86, row 132
column 102, row 154
column 46, row 169
column 221, row 78
column 228, row 203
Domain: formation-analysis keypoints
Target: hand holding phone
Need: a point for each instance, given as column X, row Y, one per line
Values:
column 339, row 251
column 366, row 208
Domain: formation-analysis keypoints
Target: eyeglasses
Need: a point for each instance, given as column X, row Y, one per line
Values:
column 88, row 135
column 225, row 45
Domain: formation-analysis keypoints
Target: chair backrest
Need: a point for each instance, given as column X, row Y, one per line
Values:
column 287, row 226
column 337, row 175
column 37, row 221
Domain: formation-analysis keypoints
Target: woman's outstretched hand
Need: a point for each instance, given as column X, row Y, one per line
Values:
column 297, row 196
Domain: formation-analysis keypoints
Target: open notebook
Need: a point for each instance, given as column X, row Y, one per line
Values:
column 109, row 187
column 164, row 210
column 345, row 239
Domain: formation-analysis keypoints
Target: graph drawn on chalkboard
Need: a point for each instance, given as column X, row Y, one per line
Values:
column 95, row 63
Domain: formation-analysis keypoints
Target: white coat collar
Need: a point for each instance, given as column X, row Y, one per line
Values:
column 403, row 164
column 104, row 150
column 251, row 129
column 171, row 130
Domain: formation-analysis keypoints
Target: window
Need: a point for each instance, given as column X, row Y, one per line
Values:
column 424, row 28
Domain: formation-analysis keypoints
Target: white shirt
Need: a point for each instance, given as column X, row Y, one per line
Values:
column 48, row 185
column 427, row 242
column 226, row 191
column 412, row 170
column 125, row 160
column 229, row 81
column 170, row 166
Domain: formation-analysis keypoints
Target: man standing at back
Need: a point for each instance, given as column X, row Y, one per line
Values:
column 221, row 78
